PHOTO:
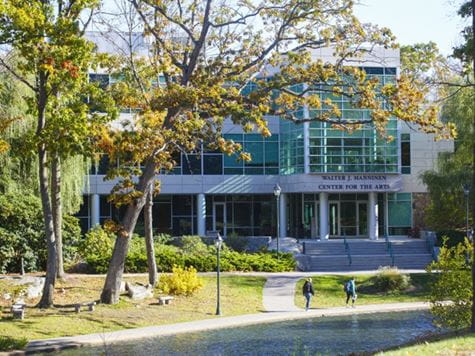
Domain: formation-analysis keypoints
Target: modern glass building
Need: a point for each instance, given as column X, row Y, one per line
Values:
column 334, row 183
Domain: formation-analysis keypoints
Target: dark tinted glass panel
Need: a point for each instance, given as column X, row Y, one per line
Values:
column 334, row 142
column 405, row 153
column 103, row 164
column 373, row 70
column 191, row 164
column 213, row 164
column 253, row 171
column 272, row 154
column 101, row 79
column 162, row 213
column 182, row 204
column 105, row 206
column 256, row 149
column 390, row 71
column 233, row 171
column 84, row 208
column 84, row 224
column 232, row 161
column 182, row 226
column 242, row 214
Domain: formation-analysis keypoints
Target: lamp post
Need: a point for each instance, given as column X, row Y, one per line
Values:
column 277, row 191
column 466, row 193
column 218, row 241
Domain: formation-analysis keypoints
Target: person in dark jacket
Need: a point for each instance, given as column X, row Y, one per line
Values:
column 308, row 292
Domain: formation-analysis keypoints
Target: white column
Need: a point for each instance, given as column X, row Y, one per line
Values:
column 373, row 215
column 201, row 214
column 95, row 210
column 283, row 215
column 324, row 216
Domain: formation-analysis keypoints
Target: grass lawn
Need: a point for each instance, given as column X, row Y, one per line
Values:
column 455, row 345
column 329, row 291
column 239, row 295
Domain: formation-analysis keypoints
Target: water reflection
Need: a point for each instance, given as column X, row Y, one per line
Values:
column 330, row 335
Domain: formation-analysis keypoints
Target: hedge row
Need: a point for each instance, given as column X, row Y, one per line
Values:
column 97, row 249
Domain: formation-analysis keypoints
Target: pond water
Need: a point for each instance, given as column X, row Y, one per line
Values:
column 327, row 336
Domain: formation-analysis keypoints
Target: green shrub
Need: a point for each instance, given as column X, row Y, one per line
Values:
column 183, row 281
column 190, row 244
column 262, row 262
column 136, row 261
column 162, row 239
column 22, row 234
column 389, row 279
column 96, row 249
column 168, row 256
column 451, row 291
column 71, row 237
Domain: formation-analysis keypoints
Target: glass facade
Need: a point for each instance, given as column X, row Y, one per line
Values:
column 400, row 213
column 333, row 150
column 244, row 215
column 336, row 151
column 291, row 148
column 406, row 153
column 330, row 150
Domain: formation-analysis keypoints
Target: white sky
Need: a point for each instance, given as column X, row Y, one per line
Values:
column 415, row 21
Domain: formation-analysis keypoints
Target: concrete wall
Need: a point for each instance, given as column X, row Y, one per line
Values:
column 424, row 153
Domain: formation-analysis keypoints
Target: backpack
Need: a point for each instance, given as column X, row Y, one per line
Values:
column 346, row 287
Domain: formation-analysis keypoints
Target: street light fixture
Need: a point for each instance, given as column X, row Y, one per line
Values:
column 466, row 193
column 218, row 242
column 277, row 191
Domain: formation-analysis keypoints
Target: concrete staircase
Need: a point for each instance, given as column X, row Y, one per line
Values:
column 331, row 255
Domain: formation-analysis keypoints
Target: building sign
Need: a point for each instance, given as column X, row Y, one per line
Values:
column 358, row 183
column 341, row 183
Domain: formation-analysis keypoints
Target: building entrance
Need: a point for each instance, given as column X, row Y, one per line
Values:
column 348, row 218
column 311, row 219
column 219, row 218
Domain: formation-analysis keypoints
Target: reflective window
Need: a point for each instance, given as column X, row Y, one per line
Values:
column 405, row 153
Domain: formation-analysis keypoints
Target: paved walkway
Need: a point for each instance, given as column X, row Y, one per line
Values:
column 102, row 339
column 279, row 294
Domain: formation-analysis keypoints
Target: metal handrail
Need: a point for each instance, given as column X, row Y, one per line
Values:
column 430, row 246
column 347, row 249
column 348, row 252
column 391, row 253
column 388, row 243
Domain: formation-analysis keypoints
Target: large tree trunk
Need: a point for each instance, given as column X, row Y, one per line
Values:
column 57, row 213
column 152, row 264
column 472, row 327
column 111, row 289
column 48, row 290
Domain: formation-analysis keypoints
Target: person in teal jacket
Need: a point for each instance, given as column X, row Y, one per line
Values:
column 350, row 289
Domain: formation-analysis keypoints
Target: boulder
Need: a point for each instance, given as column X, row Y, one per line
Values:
column 139, row 292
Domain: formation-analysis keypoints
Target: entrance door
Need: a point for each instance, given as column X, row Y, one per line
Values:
column 311, row 216
column 334, row 218
column 219, row 218
column 362, row 218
